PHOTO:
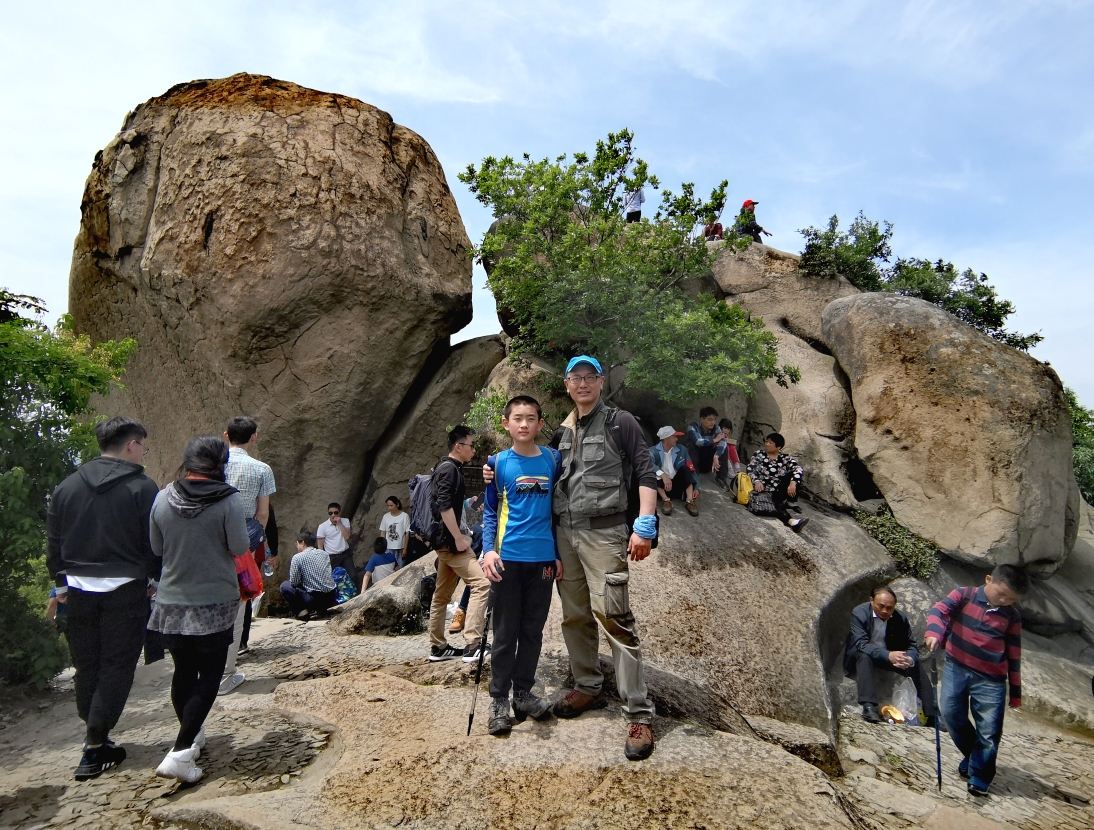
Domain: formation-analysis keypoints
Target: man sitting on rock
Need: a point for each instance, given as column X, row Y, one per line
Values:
column 311, row 584
column 382, row 564
column 675, row 472
column 881, row 640
column 707, row 446
column 780, row 474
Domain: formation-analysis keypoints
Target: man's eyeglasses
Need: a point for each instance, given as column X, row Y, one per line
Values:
column 332, row 512
column 461, row 444
column 577, row 380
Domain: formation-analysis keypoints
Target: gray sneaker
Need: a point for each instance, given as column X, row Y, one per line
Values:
column 499, row 724
column 526, row 704
column 230, row 684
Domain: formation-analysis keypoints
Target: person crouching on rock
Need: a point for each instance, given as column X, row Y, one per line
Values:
column 520, row 561
column 773, row 470
column 198, row 525
column 676, row 475
column 881, row 640
column 382, row 564
column 310, row 587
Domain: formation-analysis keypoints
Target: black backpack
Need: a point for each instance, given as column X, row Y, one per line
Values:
column 425, row 517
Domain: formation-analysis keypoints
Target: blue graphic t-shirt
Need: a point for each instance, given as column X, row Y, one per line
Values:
column 517, row 514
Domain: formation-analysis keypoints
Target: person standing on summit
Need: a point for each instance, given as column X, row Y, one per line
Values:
column 746, row 224
column 101, row 559
column 632, row 204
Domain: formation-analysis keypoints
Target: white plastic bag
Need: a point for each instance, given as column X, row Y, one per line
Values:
column 906, row 700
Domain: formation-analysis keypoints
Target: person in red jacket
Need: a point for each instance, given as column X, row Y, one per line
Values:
column 982, row 631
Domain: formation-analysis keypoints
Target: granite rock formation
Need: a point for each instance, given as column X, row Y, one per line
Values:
column 276, row 251
column 969, row 440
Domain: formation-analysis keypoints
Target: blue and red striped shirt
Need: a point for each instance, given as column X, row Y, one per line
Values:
column 984, row 639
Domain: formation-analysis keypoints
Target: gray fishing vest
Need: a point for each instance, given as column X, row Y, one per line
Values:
column 592, row 482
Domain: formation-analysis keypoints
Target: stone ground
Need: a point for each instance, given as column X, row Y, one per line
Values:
column 335, row 732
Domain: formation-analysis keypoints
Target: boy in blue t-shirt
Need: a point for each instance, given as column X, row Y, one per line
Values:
column 520, row 561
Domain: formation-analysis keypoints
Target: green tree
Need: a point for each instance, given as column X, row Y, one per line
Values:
column 48, row 377
column 862, row 253
column 1082, row 453
column 575, row 276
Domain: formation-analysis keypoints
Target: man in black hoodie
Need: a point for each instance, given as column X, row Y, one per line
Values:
column 101, row 559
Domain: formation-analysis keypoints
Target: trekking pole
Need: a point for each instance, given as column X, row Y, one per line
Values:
column 478, row 668
column 937, row 718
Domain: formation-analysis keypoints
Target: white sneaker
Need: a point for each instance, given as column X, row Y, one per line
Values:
column 230, row 684
column 179, row 764
column 199, row 743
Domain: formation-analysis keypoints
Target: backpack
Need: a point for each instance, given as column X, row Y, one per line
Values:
column 344, row 585
column 741, row 487
column 425, row 517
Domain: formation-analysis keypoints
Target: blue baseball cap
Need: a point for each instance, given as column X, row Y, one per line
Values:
column 583, row 358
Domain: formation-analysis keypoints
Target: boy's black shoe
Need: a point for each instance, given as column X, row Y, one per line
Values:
column 471, row 653
column 499, row 723
column 96, row 761
column 721, row 482
column 445, row 652
column 527, row 704
column 979, row 793
column 870, row 713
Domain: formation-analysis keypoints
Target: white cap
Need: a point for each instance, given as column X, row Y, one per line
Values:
column 667, row 432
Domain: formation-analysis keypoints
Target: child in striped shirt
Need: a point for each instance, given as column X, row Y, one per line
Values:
column 982, row 631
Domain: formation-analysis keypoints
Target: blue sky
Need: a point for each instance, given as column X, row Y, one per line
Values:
column 969, row 126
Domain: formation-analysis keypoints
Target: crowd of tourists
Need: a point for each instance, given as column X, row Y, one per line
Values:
column 178, row 567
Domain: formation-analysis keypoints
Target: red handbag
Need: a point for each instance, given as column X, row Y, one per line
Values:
column 249, row 576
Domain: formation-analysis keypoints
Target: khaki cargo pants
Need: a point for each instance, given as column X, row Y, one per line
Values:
column 594, row 588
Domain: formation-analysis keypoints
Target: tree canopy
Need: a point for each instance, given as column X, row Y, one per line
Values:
column 1082, row 452
column 47, row 378
column 862, row 253
column 576, row 277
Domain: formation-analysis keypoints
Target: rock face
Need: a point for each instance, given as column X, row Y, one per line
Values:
column 968, row 440
column 417, row 436
column 276, row 251
column 815, row 416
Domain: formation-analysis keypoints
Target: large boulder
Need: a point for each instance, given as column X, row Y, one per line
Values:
column 417, row 438
column 969, row 440
column 276, row 251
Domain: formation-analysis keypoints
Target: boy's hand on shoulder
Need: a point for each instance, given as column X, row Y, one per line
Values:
column 487, row 474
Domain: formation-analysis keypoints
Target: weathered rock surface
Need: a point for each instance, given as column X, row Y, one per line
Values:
column 417, row 437
column 392, row 606
column 968, row 440
column 276, row 251
column 815, row 416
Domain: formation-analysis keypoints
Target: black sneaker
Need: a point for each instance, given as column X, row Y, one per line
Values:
column 722, row 482
column 96, row 761
column 499, row 723
column 797, row 524
column 445, row 652
column 977, row 791
column 471, row 653
column 526, row 704
column 870, row 714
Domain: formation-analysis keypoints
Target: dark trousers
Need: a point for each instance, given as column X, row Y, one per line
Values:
column 680, row 483
column 865, row 666
column 245, row 637
column 300, row 600
column 780, row 497
column 521, row 602
column 153, row 644
column 703, row 457
column 199, row 664
column 105, row 637
column 633, row 216
column 344, row 560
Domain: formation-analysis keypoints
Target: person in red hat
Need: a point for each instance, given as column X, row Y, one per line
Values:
column 747, row 225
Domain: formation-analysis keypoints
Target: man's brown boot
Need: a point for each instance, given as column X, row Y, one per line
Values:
column 639, row 743
column 575, row 702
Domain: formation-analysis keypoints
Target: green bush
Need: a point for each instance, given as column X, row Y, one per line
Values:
column 1082, row 453
column 914, row 555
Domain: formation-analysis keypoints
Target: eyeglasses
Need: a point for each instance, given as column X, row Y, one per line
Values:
column 461, row 444
column 332, row 512
column 577, row 380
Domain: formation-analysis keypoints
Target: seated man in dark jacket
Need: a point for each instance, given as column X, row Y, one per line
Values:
column 881, row 638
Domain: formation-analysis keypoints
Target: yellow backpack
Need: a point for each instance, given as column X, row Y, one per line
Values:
column 743, row 485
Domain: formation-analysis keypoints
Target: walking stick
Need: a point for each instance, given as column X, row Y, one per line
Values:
column 937, row 717
column 478, row 668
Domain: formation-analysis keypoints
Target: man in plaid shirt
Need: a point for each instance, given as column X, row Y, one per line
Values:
column 311, row 586
column 255, row 482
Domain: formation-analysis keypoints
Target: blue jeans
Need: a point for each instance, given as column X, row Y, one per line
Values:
column 978, row 741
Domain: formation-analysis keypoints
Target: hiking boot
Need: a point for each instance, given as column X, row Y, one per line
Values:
column 526, row 704
column 471, row 653
column 722, row 482
column 797, row 524
column 179, row 764
column 230, row 684
column 575, row 702
column 98, row 760
column 499, row 723
column 692, row 508
column 457, row 621
column 445, row 652
column 870, row 714
column 979, row 792
column 666, row 507
column 639, row 742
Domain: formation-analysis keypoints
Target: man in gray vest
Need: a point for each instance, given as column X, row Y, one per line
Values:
column 603, row 451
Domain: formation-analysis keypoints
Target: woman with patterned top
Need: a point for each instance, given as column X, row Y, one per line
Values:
column 198, row 525
column 780, row 474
